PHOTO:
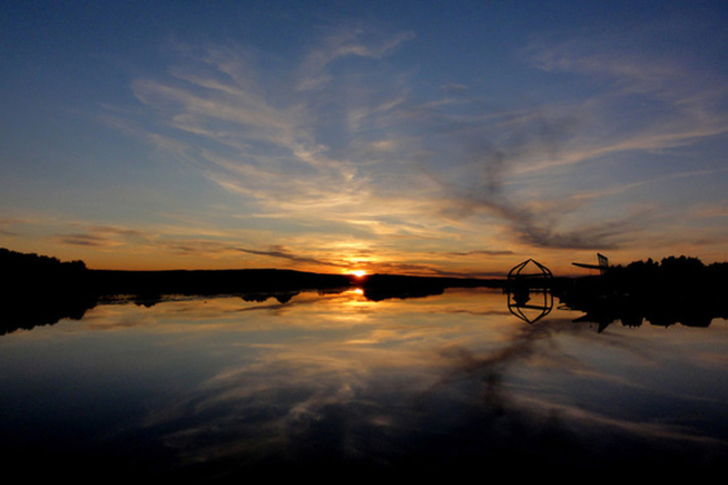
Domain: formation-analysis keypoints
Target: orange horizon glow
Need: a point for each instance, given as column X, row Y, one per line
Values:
column 415, row 263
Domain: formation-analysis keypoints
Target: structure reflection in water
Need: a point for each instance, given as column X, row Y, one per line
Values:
column 522, row 285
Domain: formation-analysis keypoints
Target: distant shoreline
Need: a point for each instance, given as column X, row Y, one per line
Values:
column 33, row 274
column 657, row 291
column 206, row 282
column 30, row 273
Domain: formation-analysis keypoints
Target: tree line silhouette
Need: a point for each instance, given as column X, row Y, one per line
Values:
column 675, row 290
column 31, row 264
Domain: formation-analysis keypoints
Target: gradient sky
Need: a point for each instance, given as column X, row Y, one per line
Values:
column 414, row 137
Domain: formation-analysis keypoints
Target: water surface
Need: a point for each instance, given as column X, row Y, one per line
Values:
column 220, row 387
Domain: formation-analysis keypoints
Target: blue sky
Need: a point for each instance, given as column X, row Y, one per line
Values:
column 419, row 137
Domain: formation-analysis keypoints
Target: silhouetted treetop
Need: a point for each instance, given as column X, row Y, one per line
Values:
column 672, row 266
column 13, row 260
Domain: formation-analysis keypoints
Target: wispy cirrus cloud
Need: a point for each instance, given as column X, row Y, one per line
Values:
column 633, row 103
column 342, row 141
column 260, row 134
column 7, row 223
column 288, row 154
column 342, row 43
column 283, row 253
column 638, row 101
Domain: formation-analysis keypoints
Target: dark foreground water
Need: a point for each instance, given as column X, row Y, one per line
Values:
column 223, row 388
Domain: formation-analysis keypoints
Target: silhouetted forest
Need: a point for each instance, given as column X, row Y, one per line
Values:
column 13, row 262
column 675, row 290
column 673, row 275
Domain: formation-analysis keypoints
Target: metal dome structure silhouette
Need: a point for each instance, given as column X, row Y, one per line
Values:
column 522, row 283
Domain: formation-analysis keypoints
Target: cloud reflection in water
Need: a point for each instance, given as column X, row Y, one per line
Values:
column 443, row 381
column 223, row 386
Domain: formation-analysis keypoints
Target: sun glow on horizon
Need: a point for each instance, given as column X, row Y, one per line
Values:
column 359, row 273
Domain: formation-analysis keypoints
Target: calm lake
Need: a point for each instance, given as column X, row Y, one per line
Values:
column 192, row 388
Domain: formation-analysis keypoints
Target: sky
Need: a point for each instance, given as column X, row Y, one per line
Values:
column 419, row 137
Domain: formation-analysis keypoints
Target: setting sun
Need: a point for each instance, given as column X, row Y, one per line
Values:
column 359, row 273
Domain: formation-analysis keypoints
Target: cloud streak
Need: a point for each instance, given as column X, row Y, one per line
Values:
column 344, row 142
